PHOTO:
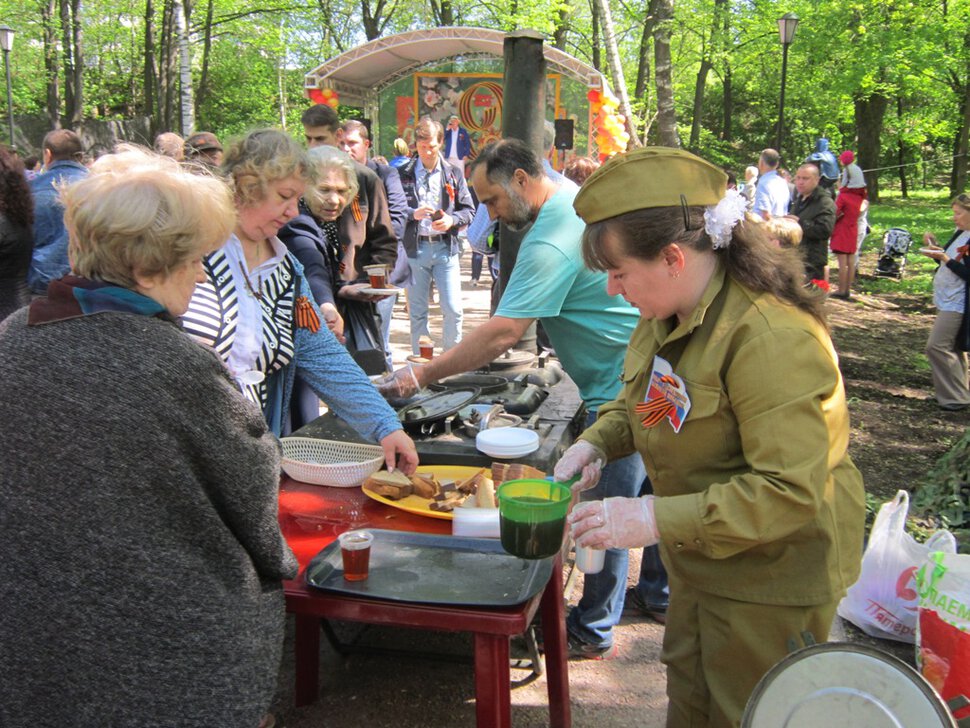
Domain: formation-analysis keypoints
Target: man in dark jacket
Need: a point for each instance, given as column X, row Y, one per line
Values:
column 812, row 206
column 439, row 204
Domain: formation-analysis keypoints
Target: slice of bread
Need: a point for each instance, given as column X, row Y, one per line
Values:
column 394, row 485
column 425, row 485
column 396, row 478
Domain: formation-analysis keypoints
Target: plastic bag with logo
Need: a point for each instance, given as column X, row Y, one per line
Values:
column 943, row 631
column 883, row 602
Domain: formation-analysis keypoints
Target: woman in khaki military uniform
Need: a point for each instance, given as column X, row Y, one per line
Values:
column 733, row 397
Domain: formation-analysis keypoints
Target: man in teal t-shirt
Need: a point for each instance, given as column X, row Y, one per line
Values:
column 588, row 328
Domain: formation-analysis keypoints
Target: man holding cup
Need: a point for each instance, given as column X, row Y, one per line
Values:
column 439, row 205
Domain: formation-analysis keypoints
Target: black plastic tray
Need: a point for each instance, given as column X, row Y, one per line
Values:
column 434, row 569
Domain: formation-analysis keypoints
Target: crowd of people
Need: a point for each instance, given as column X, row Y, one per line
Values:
column 829, row 206
column 664, row 288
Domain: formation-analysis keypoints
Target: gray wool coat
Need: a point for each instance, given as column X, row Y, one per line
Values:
column 140, row 554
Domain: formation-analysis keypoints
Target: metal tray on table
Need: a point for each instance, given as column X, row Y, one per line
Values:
column 434, row 569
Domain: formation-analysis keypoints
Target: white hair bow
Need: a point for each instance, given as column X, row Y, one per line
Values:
column 720, row 219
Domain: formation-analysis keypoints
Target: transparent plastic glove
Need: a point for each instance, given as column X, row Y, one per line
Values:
column 399, row 385
column 584, row 458
column 615, row 523
column 399, row 452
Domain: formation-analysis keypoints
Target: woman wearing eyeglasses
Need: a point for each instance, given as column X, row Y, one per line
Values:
column 949, row 340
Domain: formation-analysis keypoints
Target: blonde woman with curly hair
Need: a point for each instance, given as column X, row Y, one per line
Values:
column 256, row 309
column 140, row 557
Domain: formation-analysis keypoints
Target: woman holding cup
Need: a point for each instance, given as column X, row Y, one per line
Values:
column 949, row 340
column 331, row 262
column 759, row 511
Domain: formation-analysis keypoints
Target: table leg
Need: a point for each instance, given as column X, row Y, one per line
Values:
column 493, row 691
column 306, row 649
column 554, row 636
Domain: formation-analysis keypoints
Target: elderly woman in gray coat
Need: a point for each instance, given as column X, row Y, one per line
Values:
column 140, row 555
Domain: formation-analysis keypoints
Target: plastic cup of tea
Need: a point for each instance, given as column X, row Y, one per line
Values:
column 355, row 551
column 377, row 275
column 590, row 560
column 426, row 347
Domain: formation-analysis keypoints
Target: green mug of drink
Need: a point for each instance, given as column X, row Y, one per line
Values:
column 532, row 517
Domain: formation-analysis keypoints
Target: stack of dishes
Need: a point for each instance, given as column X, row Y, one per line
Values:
column 507, row 442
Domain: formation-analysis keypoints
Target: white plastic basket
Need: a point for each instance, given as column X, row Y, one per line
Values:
column 329, row 462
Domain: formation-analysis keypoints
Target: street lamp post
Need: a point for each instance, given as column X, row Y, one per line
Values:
column 6, row 43
column 786, row 33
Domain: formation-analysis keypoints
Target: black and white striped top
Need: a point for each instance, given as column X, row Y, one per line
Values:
column 213, row 317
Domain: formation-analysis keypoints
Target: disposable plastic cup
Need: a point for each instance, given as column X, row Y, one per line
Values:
column 532, row 517
column 377, row 275
column 426, row 347
column 590, row 560
column 355, row 551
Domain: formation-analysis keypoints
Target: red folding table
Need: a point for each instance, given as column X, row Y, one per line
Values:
column 312, row 516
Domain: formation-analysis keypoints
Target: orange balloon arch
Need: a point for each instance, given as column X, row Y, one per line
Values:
column 609, row 132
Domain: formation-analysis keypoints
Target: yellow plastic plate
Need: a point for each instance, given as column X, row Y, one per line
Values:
column 422, row 506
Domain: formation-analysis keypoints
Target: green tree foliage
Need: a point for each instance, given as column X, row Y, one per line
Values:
column 891, row 75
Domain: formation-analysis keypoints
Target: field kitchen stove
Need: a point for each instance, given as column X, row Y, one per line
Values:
column 444, row 418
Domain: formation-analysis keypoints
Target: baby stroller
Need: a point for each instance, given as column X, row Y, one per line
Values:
column 895, row 246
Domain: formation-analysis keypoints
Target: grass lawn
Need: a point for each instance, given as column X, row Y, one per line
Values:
column 923, row 211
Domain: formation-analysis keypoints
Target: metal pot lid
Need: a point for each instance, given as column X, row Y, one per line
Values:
column 513, row 358
column 437, row 407
column 844, row 684
column 485, row 382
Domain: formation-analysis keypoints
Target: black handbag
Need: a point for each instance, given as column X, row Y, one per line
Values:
column 363, row 336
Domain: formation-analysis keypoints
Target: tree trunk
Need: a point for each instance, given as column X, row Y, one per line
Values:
column 168, row 59
column 616, row 69
column 202, row 93
column 699, row 85
column 663, row 10
column 443, row 13
column 67, row 50
column 48, row 11
column 186, row 104
column 562, row 28
column 373, row 25
column 447, row 13
column 597, row 59
column 643, row 61
column 958, row 178
column 901, row 152
column 707, row 63
column 76, row 115
column 869, row 115
column 727, row 105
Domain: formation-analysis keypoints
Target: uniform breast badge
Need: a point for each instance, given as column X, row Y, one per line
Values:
column 666, row 397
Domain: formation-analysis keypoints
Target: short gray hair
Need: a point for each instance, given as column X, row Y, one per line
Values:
column 324, row 159
column 140, row 213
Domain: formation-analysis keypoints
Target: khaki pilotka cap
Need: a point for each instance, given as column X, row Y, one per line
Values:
column 649, row 177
